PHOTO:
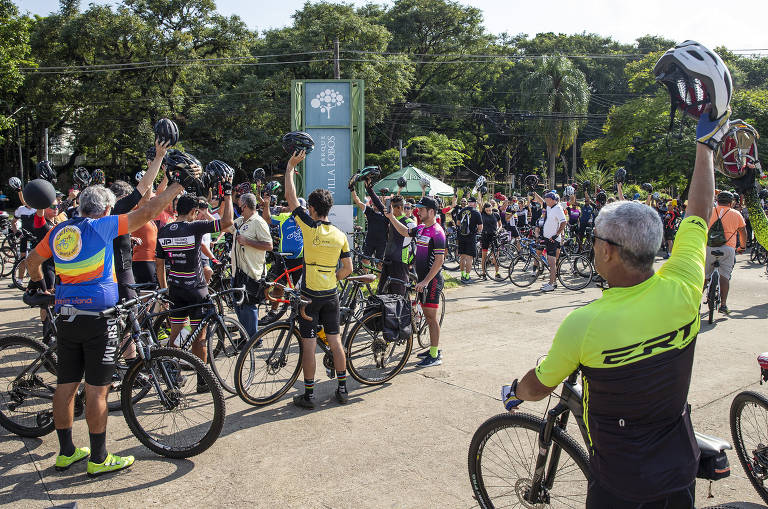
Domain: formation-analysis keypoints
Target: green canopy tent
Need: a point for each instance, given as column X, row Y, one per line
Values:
column 412, row 187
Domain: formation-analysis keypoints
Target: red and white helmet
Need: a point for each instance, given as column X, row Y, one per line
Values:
column 762, row 359
column 737, row 149
column 695, row 77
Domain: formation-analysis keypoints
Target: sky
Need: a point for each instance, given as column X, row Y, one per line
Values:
column 711, row 23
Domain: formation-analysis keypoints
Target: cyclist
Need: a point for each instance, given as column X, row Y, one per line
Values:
column 551, row 232
column 636, row 377
column 179, row 244
column 82, row 250
column 670, row 222
column 324, row 246
column 733, row 223
column 25, row 217
column 428, row 261
column 397, row 253
column 491, row 223
column 470, row 223
column 377, row 225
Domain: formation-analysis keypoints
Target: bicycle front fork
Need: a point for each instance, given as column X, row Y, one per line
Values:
column 542, row 481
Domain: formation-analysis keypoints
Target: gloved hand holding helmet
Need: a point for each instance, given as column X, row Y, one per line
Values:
column 166, row 131
column 259, row 176
column 647, row 187
column 531, row 181
column 185, row 169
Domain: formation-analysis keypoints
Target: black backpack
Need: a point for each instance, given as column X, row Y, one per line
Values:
column 466, row 222
column 716, row 234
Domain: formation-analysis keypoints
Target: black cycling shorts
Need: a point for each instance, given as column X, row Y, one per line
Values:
column 182, row 297
column 551, row 246
column 86, row 345
column 323, row 311
column 467, row 245
column 486, row 241
column 375, row 249
column 599, row 498
column 145, row 272
column 512, row 229
column 669, row 234
column 391, row 271
column 430, row 297
column 279, row 267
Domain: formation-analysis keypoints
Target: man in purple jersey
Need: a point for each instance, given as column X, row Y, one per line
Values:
column 428, row 260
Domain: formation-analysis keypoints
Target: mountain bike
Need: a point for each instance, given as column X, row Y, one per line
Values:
column 749, row 430
column 518, row 459
column 574, row 272
column 713, row 285
column 270, row 363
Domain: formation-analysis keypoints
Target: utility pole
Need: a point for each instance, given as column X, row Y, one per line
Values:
column 45, row 144
column 21, row 162
column 400, row 152
column 336, row 70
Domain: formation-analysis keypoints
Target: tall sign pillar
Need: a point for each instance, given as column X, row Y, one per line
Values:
column 333, row 113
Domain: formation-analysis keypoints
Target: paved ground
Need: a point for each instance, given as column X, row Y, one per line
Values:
column 399, row 445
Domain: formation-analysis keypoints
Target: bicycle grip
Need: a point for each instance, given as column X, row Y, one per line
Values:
column 302, row 312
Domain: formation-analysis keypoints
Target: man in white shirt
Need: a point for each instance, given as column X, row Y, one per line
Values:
column 552, row 232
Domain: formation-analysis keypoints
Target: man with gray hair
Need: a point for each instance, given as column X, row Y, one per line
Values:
column 82, row 251
column 634, row 347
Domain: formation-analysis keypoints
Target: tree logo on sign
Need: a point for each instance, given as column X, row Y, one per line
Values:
column 327, row 100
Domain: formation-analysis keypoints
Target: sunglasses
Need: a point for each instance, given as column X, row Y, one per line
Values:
column 594, row 236
column 408, row 207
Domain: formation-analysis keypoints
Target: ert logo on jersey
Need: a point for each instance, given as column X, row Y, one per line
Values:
column 652, row 346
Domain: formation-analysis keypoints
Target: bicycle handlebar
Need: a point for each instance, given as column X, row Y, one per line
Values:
column 118, row 308
column 291, row 293
column 240, row 289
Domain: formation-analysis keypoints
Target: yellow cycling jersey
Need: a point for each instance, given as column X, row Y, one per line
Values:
column 324, row 245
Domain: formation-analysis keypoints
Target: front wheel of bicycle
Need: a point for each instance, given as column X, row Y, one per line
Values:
column 177, row 418
column 224, row 345
column 20, row 282
column 8, row 254
column 523, row 271
column 502, row 457
column 371, row 359
column 269, row 364
column 575, row 272
column 749, row 413
column 492, row 267
column 713, row 296
column 451, row 256
column 26, row 402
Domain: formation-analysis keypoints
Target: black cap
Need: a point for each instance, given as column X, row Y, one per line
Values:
column 426, row 202
column 472, row 199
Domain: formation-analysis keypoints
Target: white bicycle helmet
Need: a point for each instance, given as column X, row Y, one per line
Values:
column 737, row 149
column 424, row 182
column 569, row 191
column 139, row 175
column 695, row 77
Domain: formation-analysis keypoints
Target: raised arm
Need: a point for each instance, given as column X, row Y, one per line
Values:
column 141, row 216
column 375, row 200
column 621, row 192
column 145, row 184
column 400, row 227
column 290, row 187
column 357, row 201
column 702, row 184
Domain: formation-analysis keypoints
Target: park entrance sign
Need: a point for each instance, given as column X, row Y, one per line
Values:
column 333, row 113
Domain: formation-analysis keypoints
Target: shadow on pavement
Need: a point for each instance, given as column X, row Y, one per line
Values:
column 758, row 311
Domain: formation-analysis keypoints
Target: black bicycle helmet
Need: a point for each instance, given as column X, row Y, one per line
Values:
column 370, row 172
column 401, row 182
column 272, row 186
column 98, row 177
column 218, row 171
column 296, row 141
column 39, row 194
column 601, row 197
column 725, row 197
column 484, row 189
column 763, row 194
column 695, row 77
column 167, row 131
column 259, row 175
column 647, row 187
column 242, row 188
column 81, row 177
column 45, row 171
column 531, row 181
column 15, row 183
column 384, row 191
column 620, row 176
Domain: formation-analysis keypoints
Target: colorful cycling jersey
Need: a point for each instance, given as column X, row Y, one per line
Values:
column 324, row 245
column 179, row 243
column 635, row 348
column 430, row 242
column 82, row 252
column 290, row 235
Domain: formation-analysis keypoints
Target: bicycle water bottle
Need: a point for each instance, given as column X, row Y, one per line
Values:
column 322, row 336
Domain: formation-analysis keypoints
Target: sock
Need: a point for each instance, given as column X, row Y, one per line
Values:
column 433, row 352
column 98, row 447
column 66, row 446
column 341, row 376
column 309, row 386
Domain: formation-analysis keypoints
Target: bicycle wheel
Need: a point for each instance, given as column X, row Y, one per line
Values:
column 8, row 255
column 451, row 256
column 371, row 359
column 502, row 457
column 490, row 267
column 269, row 364
column 224, row 345
column 115, row 394
column 173, row 419
column 575, row 272
column 20, row 283
column 713, row 296
column 749, row 430
column 523, row 271
column 26, row 402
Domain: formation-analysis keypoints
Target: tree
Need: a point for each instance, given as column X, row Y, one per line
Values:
column 436, row 153
column 557, row 92
column 15, row 52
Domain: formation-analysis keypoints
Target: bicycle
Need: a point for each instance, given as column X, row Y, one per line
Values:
column 713, row 286
column 277, row 267
column 270, row 363
column 574, row 272
column 154, row 388
column 749, row 430
column 547, row 477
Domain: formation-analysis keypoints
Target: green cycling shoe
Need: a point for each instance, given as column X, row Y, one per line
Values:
column 111, row 464
column 64, row 462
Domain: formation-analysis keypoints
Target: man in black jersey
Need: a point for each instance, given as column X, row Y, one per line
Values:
column 376, row 232
column 179, row 244
column 127, row 199
column 397, row 251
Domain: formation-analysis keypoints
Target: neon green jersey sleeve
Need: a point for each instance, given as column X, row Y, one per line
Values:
column 686, row 263
column 565, row 353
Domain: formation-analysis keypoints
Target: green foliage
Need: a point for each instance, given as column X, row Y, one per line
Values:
column 598, row 176
column 388, row 161
column 436, row 153
column 15, row 52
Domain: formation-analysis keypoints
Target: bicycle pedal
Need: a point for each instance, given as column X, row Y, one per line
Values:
column 331, row 373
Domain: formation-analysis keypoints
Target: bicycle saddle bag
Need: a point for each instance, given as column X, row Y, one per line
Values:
column 713, row 463
column 395, row 322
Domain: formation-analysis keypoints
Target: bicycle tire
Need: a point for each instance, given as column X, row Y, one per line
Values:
column 451, row 256
column 359, row 348
column 738, row 405
column 20, row 284
column 247, row 378
column 38, row 418
column 491, row 265
column 712, row 298
column 523, row 271
column 8, row 255
column 485, row 435
column 170, row 360
column 575, row 272
column 223, row 350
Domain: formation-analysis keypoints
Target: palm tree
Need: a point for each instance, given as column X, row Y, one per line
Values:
column 558, row 93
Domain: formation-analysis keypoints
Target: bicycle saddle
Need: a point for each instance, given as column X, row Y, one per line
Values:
column 39, row 299
column 142, row 286
column 710, row 443
column 717, row 253
column 365, row 278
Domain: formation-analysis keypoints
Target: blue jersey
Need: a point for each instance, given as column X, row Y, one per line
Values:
column 290, row 235
column 82, row 253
